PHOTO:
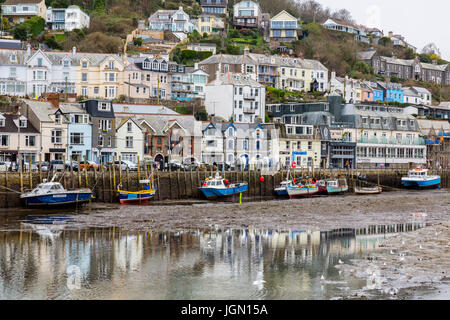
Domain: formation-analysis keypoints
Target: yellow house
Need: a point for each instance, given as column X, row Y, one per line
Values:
column 210, row 24
column 293, row 75
column 283, row 27
column 17, row 11
column 99, row 75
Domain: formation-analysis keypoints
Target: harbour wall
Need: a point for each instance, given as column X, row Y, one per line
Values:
column 183, row 185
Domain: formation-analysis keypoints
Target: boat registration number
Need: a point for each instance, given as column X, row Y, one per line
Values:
column 59, row 196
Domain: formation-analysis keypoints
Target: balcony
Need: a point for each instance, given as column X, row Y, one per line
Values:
column 248, row 96
column 249, row 110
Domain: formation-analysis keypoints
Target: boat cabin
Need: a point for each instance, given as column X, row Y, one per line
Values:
column 418, row 172
column 214, row 183
column 48, row 187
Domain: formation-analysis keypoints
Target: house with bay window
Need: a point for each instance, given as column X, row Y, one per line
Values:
column 284, row 27
column 130, row 137
column 214, row 6
column 52, row 124
column 103, row 137
column 247, row 14
column 79, row 131
column 13, row 72
column 240, row 145
column 99, row 75
column 17, row 11
column 19, row 139
column 171, row 20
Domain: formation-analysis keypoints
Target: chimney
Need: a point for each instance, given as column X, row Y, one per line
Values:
column 390, row 34
column 28, row 49
column 74, row 51
column 434, row 61
column 333, row 74
column 246, row 50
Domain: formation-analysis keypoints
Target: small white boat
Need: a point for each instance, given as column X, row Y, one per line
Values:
column 368, row 190
column 218, row 187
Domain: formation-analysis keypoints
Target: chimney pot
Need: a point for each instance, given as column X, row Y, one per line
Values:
column 74, row 50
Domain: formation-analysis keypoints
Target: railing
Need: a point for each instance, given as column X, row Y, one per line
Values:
column 392, row 140
column 249, row 110
column 249, row 96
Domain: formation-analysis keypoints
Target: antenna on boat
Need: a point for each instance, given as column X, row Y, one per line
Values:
column 53, row 178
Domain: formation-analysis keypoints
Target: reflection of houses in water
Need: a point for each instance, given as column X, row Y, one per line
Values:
column 128, row 252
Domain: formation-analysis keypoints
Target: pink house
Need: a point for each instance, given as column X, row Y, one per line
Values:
column 366, row 92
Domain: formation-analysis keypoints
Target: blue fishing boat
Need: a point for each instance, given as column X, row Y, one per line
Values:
column 218, row 187
column 419, row 178
column 53, row 194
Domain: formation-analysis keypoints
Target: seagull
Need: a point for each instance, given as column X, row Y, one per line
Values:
column 402, row 258
column 340, row 261
column 322, row 278
column 392, row 252
column 420, row 246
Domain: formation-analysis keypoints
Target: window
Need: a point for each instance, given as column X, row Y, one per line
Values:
column 39, row 62
column 245, row 144
column 4, row 140
column 111, row 65
column 96, row 90
column 12, row 72
column 2, row 122
column 66, row 64
column 84, row 77
column 104, row 106
column 30, row 141
column 56, row 136
column 309, row 145
column 58, row 118
column 129, row 127
column 84, row 64
column 84, row 91
column 129, row 142
column 76, row 138
column 100, row 141
column 230, row 144
column 104, row 125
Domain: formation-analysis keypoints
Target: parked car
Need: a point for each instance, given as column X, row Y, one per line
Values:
column 26, row 166
column 3, row 166
column 44, row 165
column 56, row 165
column 126, row 164
column 75, row 165
column 90, row 165
column 174, row 165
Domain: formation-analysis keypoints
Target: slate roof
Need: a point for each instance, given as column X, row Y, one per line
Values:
column 235, row 79
column 10, row 44
column 15, row 2
column 42, row 109
column 11, row 125
column 130, row 109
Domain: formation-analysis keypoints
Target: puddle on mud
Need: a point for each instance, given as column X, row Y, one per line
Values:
column 54, row 258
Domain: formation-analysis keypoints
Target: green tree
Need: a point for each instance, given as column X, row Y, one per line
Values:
column 21, row 32
column 35, row 25
column 137, row 42
column 363, row 67
column 409, row 54
column 385, row 41
column 395, row 79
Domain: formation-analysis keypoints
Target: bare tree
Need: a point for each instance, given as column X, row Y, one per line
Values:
column 344, row 15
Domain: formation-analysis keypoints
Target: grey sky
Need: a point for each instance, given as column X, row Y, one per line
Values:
column 420, row 22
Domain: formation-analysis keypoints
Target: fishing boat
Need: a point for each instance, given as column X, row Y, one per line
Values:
column 322, row 185
column 336, row 186
column 281, row 190
column 136, row 197
column 52, row 194
column 218, row 187
column 419, row 178
column 368, row 190
column 304, row 189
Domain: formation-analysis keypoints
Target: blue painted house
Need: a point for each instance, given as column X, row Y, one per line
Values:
column 377, row 91
column 79, row 131
column 393, row 92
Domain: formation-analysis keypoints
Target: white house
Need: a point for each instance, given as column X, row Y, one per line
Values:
column 235, row 96
column 130, row 138
column 417, row 95
column 13, row 72
column 67, row 18
column 343, row 26
column 172, row 20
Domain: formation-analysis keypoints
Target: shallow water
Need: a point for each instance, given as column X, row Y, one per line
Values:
column 39, row 260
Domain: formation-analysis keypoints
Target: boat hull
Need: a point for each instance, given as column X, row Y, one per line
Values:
column 336, row 190
column 57, row 200
column 299, row 192
column 368, row 191
column 211, row 193
column 421, row 184
column 281, row 192
column 140, row 197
